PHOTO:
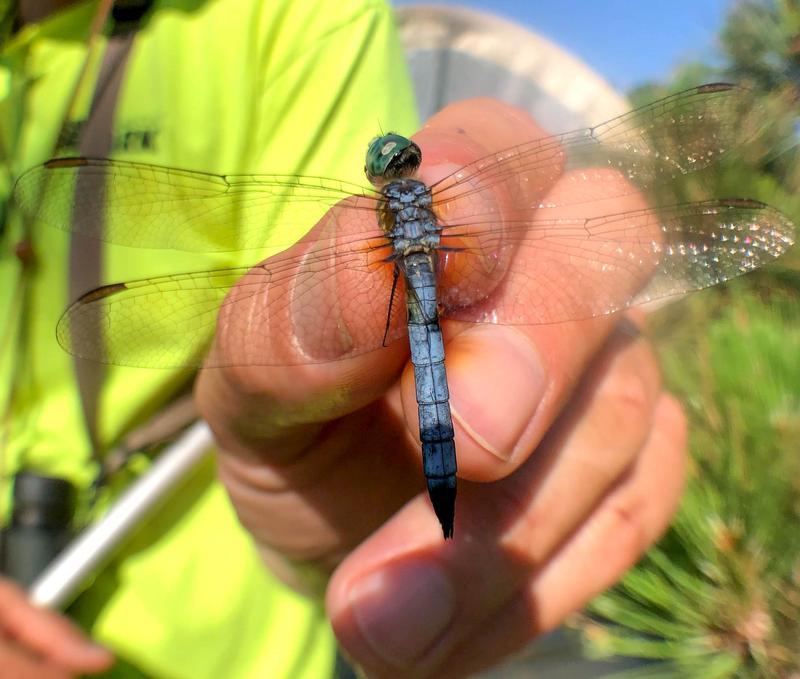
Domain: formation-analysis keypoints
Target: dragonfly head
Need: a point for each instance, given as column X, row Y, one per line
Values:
column 391, row 157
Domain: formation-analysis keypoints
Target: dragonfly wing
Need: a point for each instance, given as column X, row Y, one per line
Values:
column 564, row 269
column 148, row 206
column 713, row 241
column 164, row 322
column 649, row 146
column 324, row 299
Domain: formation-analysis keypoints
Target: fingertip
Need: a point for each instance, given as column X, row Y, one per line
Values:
column 396, row 613
column 70, row 647
column 487, row 115
column 393, row 597
column 88, row 657
column 468, row 130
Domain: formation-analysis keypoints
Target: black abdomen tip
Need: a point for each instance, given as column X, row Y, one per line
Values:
column 443, row 498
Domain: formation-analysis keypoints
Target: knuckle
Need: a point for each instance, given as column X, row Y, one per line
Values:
column 674, row 420
column 632, row 536
column 628, row 398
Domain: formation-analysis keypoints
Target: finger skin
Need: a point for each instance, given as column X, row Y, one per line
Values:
column 44, row 641
column 512, row 530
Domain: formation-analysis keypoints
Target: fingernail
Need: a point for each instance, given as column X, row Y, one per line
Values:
column 402, row 610
column 498, row 389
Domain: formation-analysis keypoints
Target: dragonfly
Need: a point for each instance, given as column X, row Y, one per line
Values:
column 451, row 249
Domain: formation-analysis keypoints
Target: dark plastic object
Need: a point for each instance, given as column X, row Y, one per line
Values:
column 40, row 525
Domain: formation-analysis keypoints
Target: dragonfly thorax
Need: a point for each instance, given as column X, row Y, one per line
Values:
column 407, row 219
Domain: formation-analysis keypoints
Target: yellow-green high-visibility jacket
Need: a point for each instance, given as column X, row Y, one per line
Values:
column 223, row 86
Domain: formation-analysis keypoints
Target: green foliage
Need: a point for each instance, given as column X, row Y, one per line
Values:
column 720, row 594
column 761, row 41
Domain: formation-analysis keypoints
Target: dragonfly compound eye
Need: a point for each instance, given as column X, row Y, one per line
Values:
column 390, row 157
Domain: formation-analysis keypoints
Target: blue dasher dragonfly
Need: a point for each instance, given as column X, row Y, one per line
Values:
column 450, row 249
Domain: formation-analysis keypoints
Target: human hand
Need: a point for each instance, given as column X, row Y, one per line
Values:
column 41, row 644
column 571, row 461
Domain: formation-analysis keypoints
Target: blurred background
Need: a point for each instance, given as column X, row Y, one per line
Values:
column 625, row 43
column 719, row 596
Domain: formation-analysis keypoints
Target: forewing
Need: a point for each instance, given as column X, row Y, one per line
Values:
column 649, row 146
column 148, row 206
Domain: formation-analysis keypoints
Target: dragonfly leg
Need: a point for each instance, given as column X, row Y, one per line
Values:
column 391, row 302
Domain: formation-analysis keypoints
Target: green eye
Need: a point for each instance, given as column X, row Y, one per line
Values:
column 391, row 156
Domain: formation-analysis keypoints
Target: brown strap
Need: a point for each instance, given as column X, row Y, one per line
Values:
column 86, row 254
